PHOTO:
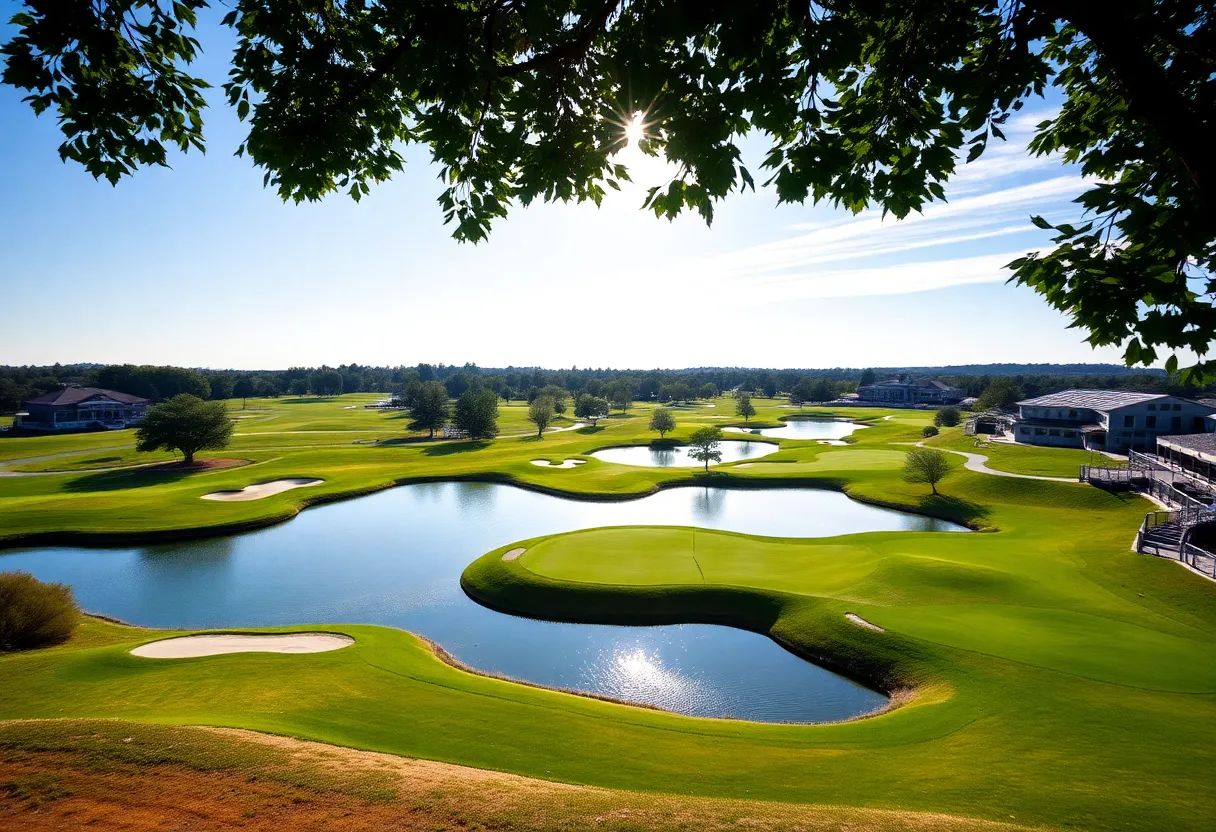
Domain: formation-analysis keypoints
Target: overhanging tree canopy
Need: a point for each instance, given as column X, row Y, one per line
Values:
column 866, row 102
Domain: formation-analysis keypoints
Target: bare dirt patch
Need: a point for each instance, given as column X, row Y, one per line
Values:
column 290, row 784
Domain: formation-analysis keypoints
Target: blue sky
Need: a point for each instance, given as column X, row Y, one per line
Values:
column 200, row 266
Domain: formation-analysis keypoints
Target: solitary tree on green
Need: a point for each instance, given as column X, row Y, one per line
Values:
column 926, row 465
column 243, row 387
column 591, row 408
column 476, row 413
column 540, row 413
column 185, row 423
column 663, row 421
column 430, row 410
column 743, row 406
column 705, row 445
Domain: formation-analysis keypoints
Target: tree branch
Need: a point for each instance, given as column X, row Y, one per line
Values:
column 572, row 50
column 1124, row 43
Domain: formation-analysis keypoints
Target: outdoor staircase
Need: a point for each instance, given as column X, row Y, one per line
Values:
column 1162, row 540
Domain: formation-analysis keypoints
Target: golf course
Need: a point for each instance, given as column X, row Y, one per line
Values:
column 1039, row 672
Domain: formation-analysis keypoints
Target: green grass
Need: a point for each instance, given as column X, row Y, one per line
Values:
column 1059, row 679
column 1022, row 459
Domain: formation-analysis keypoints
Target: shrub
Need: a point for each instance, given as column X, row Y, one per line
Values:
column 929, row 431
column 33, row 613
column 947, row 417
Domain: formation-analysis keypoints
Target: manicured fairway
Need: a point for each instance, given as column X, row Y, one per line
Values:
column 1051, row 676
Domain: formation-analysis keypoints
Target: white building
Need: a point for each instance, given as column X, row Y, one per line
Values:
column 1108, row 420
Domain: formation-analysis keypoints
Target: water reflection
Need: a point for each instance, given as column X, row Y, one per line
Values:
column 808, row 428
column 677, row 456
column 395, row 558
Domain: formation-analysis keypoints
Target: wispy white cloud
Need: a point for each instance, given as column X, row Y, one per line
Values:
column 869, row 235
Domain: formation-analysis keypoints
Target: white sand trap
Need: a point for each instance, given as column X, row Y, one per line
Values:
column 189, row 647
column 861, row 622
column 565, row 463
column 263, row 489
column 514, row 553
column 746, row 465
column 832, row 442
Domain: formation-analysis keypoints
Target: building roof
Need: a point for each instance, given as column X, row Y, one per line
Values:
column 1091, row 399
column 918, row 382
column 1201, row 445
column 77, row 395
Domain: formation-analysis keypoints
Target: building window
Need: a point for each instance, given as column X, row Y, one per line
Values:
column 1053, row 432
column 1129, row 421
column 1024, row 431
column 1150, row 421
column 1071, row 434
column 1139, row 433
column 1176, row 424
column 1072, row 414
column 1152, row 407
column 1177, row 407
column 1040, row 432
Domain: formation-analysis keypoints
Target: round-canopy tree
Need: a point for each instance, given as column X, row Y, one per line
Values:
column 863, row 102
column 662, row 421
column 476, row 413
column 185, row 423
column 430, row 410
column 926, row 465
column 744, row 406
column 705, row 445
column 540, row 413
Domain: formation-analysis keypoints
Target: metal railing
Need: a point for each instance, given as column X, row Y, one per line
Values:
column 1200, row 560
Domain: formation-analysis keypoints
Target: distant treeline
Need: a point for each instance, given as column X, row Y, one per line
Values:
column 17, row 384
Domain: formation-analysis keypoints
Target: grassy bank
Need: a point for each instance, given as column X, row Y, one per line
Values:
column 1060, row 679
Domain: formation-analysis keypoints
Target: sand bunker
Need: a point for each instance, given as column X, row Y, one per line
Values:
column 861, row 622
column 565, row 463
column 514, row 553
column 832, row 442
column 189, row 647
column 264, row 489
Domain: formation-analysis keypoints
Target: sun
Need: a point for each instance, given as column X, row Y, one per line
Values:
column 635, row 129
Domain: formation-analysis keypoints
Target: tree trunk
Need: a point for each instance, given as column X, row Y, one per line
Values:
column 933, row 485
column 187, row 457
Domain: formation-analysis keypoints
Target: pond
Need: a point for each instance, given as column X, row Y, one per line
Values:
column 805, row 429
column 676, row 456
column 395, row 558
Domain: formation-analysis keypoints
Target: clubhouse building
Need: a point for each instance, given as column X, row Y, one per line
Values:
column 896, row 391
column 81, row 408
column 1108, row 420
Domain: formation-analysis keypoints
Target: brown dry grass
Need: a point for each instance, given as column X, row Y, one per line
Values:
column 94, row 777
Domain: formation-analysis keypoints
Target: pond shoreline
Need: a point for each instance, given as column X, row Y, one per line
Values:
column 716, row 479
column 870, row 675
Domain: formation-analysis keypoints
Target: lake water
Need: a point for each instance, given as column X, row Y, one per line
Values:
column 395, row 558
column 677, row 456
column 805, row 429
